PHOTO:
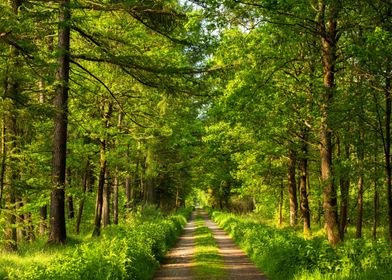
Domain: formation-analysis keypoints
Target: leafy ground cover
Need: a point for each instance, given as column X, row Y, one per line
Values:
column 282, row 254
column 130, row 251
column 208, row 262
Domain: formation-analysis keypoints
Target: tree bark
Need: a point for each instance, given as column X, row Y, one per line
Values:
column 344, row 193
column 303, row 166
column 43, row 213
column 281, row 204
column 358, row 233
column 115, row 198
column 57, row 231
column 70, row 204
column 102, row 173
column 20, row 221
column 86, row 180
column 292, row 188
column 375, row 211
column 328, row 32
column 3, row 159
column 388, row 144
column 106, row 201
column 101, row 182
column 361, row 157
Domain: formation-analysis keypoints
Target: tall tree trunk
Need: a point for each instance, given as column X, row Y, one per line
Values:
column 86, row 180
column 292, row 188
column 12, row 89
column 115, row 182
column 57, row 231
column 281, row 204
column 358, row 233
column 375, row 211
column 387, row 145
column 115, row 198
column 20, row 220
column 70, row 204
column 329, row 38
column 303, row 166
column 3, row 158
column 102, row 172
column 344, row 193
column 43, row 213
column 101, row 182
column 106, row 201
column 361, row 156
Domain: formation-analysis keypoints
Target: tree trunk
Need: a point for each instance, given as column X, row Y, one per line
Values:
column 106, row 201
column 375, row 211
column 102, row 173
column 292, row 187
column 115, row 182
column 358, row 233
column 115, row 198
column 388, row 144
column 344, row 196
column 328, row 32
column 71, row 211
column 20, row 221
column 303, row 166
column 70, row 205
column 12, row 89
column 101, row 182
column 361, row 157
column 57, row 231
column 281, row 204
column 43, row 213
column 3, row 158
column 86, row 180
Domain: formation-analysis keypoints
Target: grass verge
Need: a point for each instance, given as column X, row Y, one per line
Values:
column 208, row 262
column 129, row 251
column 282, row 254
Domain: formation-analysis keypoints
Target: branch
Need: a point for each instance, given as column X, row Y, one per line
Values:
column 108, row 89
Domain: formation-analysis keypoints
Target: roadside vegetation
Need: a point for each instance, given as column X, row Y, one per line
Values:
column 129, row 251
column 285, row 254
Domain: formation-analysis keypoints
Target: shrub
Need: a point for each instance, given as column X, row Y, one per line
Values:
column 122, row 252
column 282, row 254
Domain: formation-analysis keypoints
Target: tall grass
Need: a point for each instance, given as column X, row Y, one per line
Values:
column 282, row 254
column 130, row 251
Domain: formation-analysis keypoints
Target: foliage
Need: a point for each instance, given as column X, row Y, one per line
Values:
column 130, row 251
column 282, row 254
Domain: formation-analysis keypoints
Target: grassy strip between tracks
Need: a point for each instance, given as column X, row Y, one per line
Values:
column 207, row 261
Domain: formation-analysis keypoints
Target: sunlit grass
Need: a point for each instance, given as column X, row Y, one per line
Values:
column 208, row 262
column 128, row 251
column 272, row 248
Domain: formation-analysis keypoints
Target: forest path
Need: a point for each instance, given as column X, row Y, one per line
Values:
column 237, row 264
column 178, row 263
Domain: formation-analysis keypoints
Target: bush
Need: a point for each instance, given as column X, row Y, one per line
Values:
column 122, row 252
column 282, row 254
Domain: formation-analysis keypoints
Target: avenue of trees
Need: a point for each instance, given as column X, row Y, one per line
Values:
column 281, row 107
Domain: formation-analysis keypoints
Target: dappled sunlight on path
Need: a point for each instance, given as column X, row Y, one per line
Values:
column 237, row 263
column 178, row 262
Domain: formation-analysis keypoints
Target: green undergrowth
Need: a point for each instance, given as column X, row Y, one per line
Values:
column 208, row 262
column 282, row 254
column 130, row 251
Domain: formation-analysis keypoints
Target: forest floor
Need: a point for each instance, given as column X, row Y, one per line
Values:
column 178, row 264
